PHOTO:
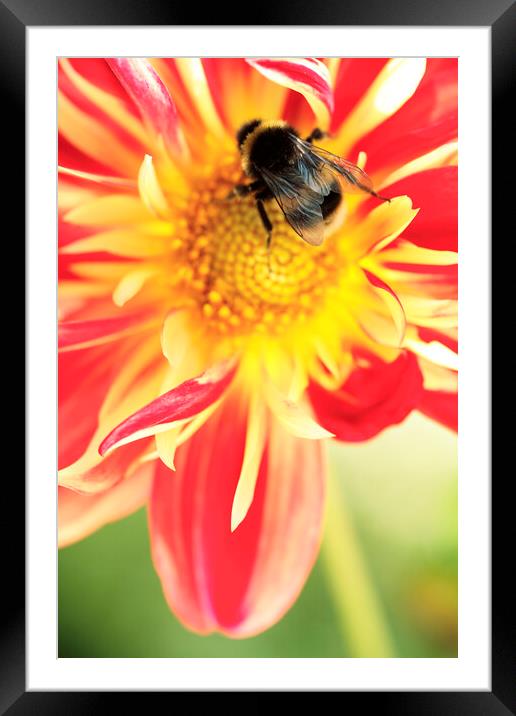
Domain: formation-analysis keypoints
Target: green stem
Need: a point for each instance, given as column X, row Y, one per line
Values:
column 358, row 608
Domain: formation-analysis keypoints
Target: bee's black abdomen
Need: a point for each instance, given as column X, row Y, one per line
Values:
column 246, row 129
column 330, row 203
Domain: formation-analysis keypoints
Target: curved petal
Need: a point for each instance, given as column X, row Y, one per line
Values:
column 89, row 480
column 375, row 226
column 382, row 317
column 150, row 95
column 191, row 123
column 243, row 581
column 434, row 192
column 308, row 76
column 132, row 283
column 181, row 403
column 376, row 395
column 441, row 407
column 150, row 190
column 80, row 515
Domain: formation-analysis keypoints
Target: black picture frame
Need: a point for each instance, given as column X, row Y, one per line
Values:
column 15, row 17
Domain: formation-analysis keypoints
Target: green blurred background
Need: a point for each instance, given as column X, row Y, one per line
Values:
column 385, row 583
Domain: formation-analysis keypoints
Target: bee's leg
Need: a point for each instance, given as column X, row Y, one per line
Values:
column 241, row 190
column 267, row 224
column 316, row 134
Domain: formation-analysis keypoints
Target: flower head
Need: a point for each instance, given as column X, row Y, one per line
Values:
column 201, row 372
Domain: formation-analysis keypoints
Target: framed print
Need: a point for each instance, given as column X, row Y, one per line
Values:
column 258, row 286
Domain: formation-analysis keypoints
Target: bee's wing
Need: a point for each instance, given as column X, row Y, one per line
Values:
column 300, row 203
column 352, row 179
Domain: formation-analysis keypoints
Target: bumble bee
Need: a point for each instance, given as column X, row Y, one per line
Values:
column 306, row 181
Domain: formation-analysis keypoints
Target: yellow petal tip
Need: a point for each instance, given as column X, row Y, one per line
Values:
column 238, row 515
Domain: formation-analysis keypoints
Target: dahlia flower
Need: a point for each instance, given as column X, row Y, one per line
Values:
column 201, row 375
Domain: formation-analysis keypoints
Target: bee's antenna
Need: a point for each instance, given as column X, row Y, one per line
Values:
column 383, row 198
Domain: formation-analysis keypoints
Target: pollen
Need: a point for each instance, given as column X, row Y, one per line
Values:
column 240, row 286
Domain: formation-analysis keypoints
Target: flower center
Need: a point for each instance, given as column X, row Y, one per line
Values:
column 237, row 283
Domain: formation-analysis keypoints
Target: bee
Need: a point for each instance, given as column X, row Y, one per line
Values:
column 306, row 181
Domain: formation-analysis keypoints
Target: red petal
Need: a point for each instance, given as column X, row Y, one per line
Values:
column 98, row 72
column 70, row 232
column 441, row 406
column 353, row 79
column 237, row 582
column 222, row 75
column 429, row 334
column 71, row 156
column 89, row 70
column 76, row 334
column 169, row 74
column 432, row 280
column 434, row 192
column 375, row 396
column 100, row 181
column 308, row 76
column 298, row 113
column 427, row 120
column 183, row 402
column 98, row 387
column 150, row 95
column 84, row 379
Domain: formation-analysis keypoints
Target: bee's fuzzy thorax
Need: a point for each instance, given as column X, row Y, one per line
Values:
column 248, row 146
